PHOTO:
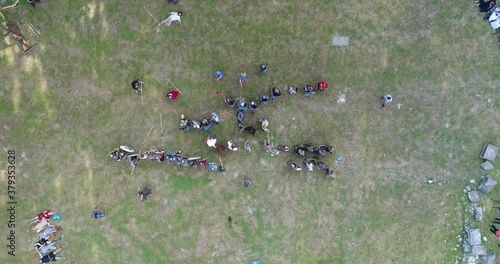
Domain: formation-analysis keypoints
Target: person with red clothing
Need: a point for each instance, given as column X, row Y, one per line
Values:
column 173, row 95
column 322, row 86
column 495, row 230
column 47, row 214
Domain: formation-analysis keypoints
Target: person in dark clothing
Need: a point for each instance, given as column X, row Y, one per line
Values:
column 230, row 101
column 252, row 130
column 485, row 6
column 240, row 116
column 253, row 106
column 97, row 214
column 264, row 98
column 275, row 93
column 242, row 106
column 247, row 182
column 144, row 193
column 133, row 160
column 386, row 99
column 31, row 3
column 310, row 91
column 263, row 68
column 49, row 257
column 136, row 85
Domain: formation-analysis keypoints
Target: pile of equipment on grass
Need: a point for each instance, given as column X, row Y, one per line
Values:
column 159, row 155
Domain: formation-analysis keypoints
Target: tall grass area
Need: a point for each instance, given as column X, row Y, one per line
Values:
column 69, row 103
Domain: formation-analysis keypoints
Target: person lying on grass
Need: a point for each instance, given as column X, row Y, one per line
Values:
column 174, row 16
column 48, row 231
column 173, row 95
column 47, row 214
column 322, row 86
column 42, row 225
column 97, row 214
column 43, row 249
column 50, row 257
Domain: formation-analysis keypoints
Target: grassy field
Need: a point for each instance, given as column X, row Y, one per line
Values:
column 69, row 103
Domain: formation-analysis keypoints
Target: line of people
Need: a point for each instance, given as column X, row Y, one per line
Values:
column 46, row 235
column 253, row 105
column 205, row 124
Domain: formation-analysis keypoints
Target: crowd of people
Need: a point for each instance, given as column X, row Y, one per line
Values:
column 204, row 124
column 263, row 99
column 309, row 162
column 45, row 246
column 242, row 107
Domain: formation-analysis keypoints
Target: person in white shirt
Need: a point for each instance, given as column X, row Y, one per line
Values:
column 495, row 18
column 174, row 16
column 211, row 141
column 231, row 145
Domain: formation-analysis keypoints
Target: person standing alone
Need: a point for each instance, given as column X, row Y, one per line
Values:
column 137, row 85
column 386, row 99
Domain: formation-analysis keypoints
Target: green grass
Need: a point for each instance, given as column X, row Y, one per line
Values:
column 69, row 103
